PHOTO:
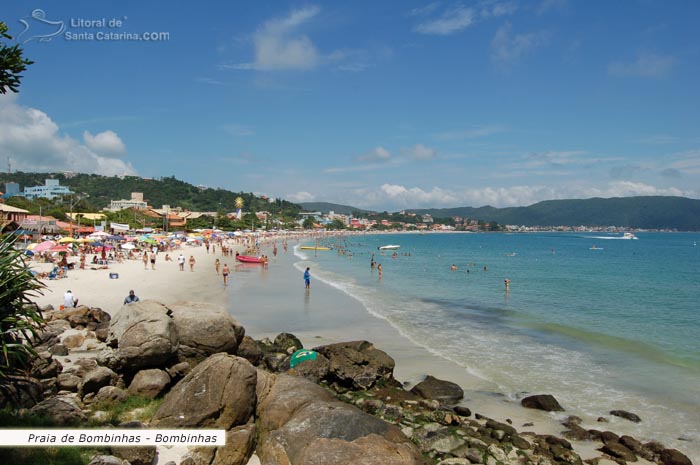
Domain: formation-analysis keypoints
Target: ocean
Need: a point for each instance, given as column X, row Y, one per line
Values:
column 600, row 322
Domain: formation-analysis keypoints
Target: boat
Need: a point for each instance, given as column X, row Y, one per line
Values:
column 249, row 259
column 596, row 248
column 312, row 247
column 629, row 236
column 389, row 247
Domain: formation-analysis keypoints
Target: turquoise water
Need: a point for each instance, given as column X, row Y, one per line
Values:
column 616, row 327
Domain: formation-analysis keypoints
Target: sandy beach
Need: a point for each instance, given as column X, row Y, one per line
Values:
column 271, row 300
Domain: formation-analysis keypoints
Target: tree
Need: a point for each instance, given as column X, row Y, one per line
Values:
column 11, row 63
column 20, row 319
column 308, row 223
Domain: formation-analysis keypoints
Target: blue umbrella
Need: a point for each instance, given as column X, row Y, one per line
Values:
column 28, row 253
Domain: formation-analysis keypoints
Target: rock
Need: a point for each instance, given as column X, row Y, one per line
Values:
column 73, row 341
column 454, row 461
column 275, row 361
column 462, row 411
column 626, row 415
column 86, row 365
column 100, row 317
column 205, row 329
column 101, row 334
column 240, row 444
column 58, row 349
column 142, row 455
column 313, row 370
column 474, row 455
column 632, row 444
column 68, row 382
column 545, row 402
column 357, row 365
column 107, row 460
column 443, row 391
column 287, row 343
column 250, row 350
column 617, row 450
column 45, row 367
column 149, row 383
column 442, row 440
column 111, row 394
column 507, row 429
column 673, row 457
column 61, row 410
column 577, row 433
column 178, row 371
column 220, row 392
column 20, row 391
column 144, row 335
column 96, row 379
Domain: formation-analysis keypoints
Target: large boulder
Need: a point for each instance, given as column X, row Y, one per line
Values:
column 96, row 379
column 240, row 444
column 205, row 329
column 61, row 410
column 298, row 427
column 445, row 392
column 144, row 335
column 357, row 365
column 250, row 350
column 545, row 402
column 217, row 393
column 149, row 383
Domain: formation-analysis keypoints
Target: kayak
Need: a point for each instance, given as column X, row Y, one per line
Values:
column 311, row 247
column 389, row 247
column 249, row 259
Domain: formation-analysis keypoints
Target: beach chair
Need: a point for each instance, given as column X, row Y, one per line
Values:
column 53, row 274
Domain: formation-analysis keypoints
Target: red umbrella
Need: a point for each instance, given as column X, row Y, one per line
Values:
column 60, row 248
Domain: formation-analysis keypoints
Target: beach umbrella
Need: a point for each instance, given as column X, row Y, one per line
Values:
column 65, row 240
column 115, row 238
column 28, row 253
column 85, row 240
column 128, row 246
column 98, row 235
column 44, row 246
column 59, row 248
column 302, row 355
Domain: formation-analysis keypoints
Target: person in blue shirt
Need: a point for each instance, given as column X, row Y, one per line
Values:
column 307, row 277
column 131, row 298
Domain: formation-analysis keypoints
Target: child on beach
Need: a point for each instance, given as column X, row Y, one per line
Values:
column 307, row 278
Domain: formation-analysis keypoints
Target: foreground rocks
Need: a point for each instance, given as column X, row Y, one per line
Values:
column 342, row 407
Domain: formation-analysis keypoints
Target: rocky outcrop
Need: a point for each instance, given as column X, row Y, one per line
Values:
column 250, row 350
column 62, row 411
column 96, row 379
column 217, row 393
column 545, row 402
column 445, row 392
column 205, row 329
column 144, row 335
column 357, row 365
column 149, row 383
column 633, row 417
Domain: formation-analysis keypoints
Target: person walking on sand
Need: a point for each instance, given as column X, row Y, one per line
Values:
column 181, row 262
column 145, row 260
column 217, row 263
column 225, row 271
column 307, row 278
column 153, row 260
column 192, row 262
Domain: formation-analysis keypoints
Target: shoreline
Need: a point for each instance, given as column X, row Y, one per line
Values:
column 269, row 301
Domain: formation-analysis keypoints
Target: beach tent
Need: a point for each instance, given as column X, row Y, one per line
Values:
column 302, row 355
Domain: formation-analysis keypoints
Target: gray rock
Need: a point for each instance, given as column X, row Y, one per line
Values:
column 68, row 382
column 142, row 455
column 111, row 394
column 96, row 379
column 45, row 367
column 58, row 349
column 275, row 361
column 73, row 341
column 250, row 350
column 357, row 365
column 462, row 411
column 617, row 450
column 205, row 329
column 240, row 444
column 443, row 391
column 220, row 392
column 149, row 383
column 287, row 343
column 545, row 402
column 61, row 410
column 144, row 334
column 178, row 371
column 673, row 457
column 107, row 460
column 313, row 370
column 626, row 415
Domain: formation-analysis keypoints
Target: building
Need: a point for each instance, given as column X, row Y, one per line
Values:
column 11, row 190
column 136, row 202
column 50, row 190
column 11, row 217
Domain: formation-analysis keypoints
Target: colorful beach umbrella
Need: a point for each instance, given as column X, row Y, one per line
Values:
column 44, row 246
column 65, row 240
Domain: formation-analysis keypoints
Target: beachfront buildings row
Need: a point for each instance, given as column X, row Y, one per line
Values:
column 50, row 190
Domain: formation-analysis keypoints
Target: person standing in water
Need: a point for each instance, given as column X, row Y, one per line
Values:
column 307, row 278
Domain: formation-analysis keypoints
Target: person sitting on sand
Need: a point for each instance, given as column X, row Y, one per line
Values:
column 69, row 300
column 131, row 298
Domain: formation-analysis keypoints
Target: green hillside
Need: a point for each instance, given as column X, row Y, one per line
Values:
column 325, row 207
column 657, row 212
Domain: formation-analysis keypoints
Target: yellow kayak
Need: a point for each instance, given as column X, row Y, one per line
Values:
column 311, row 247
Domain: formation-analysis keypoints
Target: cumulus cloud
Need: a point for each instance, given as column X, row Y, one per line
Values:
column 421, row 152
column 377, row 155
column 301, row 196
column 105, row 143
column 280, row 46
column 450, row 21
column 648, row 65
column 507, row 47
column 35, row 143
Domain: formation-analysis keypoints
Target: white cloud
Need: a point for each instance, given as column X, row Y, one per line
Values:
column 496, row 9
column 377, row 155
column 507, row 48
column 35, row 143
column 239, row 130
column 470, row 133
column 451, row 21
column 301, row 196
column 687, row 162
column 279, row 45
column 421, row 152
column 105, row 143
column 647, row 65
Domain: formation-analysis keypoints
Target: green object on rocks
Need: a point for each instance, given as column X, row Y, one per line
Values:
column 301, row 356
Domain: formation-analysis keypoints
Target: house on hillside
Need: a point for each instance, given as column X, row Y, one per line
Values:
column 136, row 202
column 11, row 218
column 50, row 190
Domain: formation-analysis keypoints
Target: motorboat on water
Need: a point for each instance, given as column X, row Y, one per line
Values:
column 629, row 236
column 389, row 247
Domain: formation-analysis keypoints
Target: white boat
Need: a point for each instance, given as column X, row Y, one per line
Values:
column 389, row 247
column 629, row 236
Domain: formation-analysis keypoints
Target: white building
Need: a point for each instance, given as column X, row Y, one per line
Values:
column 49, row 190
column 136, row 202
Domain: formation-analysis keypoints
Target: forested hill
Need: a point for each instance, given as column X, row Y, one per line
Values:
column 157, row 192
column 657, row 212
column 325, row 207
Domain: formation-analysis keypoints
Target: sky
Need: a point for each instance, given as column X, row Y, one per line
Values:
column 378, row 105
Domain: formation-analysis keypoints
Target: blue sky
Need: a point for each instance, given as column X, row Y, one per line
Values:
column 381, row 105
